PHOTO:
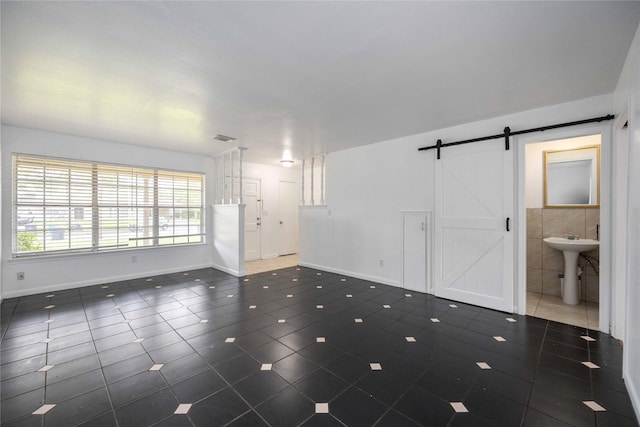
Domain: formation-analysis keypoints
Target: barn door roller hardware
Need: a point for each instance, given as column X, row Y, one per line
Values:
column 507, row 134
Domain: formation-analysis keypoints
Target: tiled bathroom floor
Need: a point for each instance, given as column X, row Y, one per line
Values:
column 295, row 347
column 551, row 307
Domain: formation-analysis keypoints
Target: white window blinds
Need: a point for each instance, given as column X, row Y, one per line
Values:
column 62, row 206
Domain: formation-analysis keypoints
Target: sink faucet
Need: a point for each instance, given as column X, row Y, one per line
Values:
column 572, row 237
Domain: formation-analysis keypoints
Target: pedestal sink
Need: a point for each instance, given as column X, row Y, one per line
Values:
column 571, row 248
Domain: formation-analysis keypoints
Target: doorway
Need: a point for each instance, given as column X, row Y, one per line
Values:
column 543, row 218
column 288, row 209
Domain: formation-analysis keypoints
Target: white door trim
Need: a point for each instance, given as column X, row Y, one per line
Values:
column 604, row 129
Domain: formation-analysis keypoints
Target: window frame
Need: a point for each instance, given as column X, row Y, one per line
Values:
column 106, row 197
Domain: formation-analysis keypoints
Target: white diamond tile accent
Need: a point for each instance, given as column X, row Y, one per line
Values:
column 230, row 339
column 594, row 406
column 483, row 365
column 111, row 295
column 343, row 280
column 408, row 295
column 297, row 269
column 435, row 320
column 357, row 320
column 322, row 408
column 104, row 286
column 319, row 286
column 453, row 306
column 265, row 287
column 185, row 274
column 43, row 409
column 50, row 295
column 274, row 274
column 375, row 366
column 204, row 321
column 294, row 280
column 282, row 320
column 212, row 287
column 156, row 367
column 183, row 408
column 318, row 274
column 197, row 280
column 138, row 340
column 289, row 295
column 49, row 321
column 49, row 307
column 158, row 286
column 149, row 280
column 372, row 286
column 319, row 306
column 246, row 280
column 510, row 319
column 587, row 338
column 321, row 339
column 499, row 339
column 591, row 365
column 45, row 368
column 349, row 296
column 230, row 296
column 266, row 367
column 410, row 339
column 386, row 306
column 251, row 307
column 458, row 407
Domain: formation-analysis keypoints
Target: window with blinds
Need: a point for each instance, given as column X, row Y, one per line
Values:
column 66, row 206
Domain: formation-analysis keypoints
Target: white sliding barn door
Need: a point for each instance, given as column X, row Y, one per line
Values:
column 473, row 249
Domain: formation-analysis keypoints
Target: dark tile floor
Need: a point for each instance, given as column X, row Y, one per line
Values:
column 295, row 347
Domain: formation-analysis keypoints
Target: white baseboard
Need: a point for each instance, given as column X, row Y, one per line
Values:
column 237, row 273
column 376, row 279
column 92, row 282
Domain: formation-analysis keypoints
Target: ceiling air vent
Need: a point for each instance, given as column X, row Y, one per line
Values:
column 224, row 138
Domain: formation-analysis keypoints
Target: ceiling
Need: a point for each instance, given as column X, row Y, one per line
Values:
column 307, row 77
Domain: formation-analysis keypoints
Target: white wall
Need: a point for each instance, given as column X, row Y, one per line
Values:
column 43, row 274
column 627, row 100
column 534, row 197
column 270, row 178
column 228, row 244
column 369, row 186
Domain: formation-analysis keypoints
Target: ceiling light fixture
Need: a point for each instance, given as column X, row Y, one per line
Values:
column 286, row 163
column 224, row 138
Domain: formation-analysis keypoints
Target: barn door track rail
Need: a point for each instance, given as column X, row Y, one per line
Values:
column 508, row 133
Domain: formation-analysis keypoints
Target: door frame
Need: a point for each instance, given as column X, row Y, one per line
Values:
column 520, row 291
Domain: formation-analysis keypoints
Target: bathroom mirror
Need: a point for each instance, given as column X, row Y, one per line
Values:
column 572, row 177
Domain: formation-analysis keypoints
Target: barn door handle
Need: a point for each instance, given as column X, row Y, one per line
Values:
column 508, row 224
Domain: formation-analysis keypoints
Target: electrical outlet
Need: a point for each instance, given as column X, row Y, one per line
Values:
column 381, row 263
column 20, row 275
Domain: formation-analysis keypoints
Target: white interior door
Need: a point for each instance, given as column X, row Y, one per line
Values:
column 252, row 216
column 415, row 251
column 288, row 208
column 474, row 207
